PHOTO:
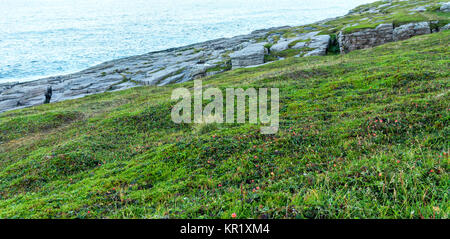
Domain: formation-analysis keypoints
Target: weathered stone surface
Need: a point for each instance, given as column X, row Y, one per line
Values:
column 445, row 7
column 299, row 45
column 154, row 68
column 412, row 29
column 384, row 5
column 366, row 38
column 194, row 61
column 319, row 44
column 419, row 9
column 446, row 27
column 281, row 45
column 307, row 36
column 316, row 45
column 249, row 56
column 383, row 33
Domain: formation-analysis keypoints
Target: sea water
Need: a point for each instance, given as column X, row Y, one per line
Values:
column 40, row 38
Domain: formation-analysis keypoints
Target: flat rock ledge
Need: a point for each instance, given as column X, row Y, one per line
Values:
column 249, row 56
column 382, row 34
column 208, row 58
column 155, row 68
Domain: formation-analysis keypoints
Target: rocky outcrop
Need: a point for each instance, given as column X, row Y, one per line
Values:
column 382, row 34
column 208, row 58
column 446, row 27
column 249, row 56
column 412, row 29
column 156, row 68
column 310, row 43
column 319, row 45
column 283, row 44
column 445, row 7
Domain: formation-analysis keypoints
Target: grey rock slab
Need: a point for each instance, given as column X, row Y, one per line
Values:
column 384, row 5
column 366, row 38
column 419, row 9
column 248, row 56
column 446, row 27
column 309, row 35
column 156, row 78
column 445, row 7
column 171, row 80
column 409, row 30
column 320, row 45
column 283, row 44
column 299, row 45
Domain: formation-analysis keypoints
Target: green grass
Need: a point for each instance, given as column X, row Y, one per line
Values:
column 362, row 135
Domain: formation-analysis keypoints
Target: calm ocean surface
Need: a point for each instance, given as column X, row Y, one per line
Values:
column 48, row 37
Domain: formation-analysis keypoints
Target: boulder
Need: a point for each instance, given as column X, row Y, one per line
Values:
column 446, row 27
column 280, row 46
column 366, row 38
column 445, row 7
column 249, row 56
column 411, row 29
column 320, row 45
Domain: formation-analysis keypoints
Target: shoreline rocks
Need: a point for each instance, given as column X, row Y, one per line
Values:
column 198, row 60
column 159, row 68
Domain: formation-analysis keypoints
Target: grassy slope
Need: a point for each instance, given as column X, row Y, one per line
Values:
column 119, row 155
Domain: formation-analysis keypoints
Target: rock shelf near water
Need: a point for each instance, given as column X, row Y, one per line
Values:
column 373, row 27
